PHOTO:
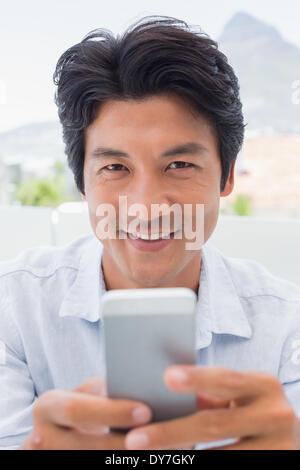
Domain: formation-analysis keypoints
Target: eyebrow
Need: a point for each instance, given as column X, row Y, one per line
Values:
column 183, row 149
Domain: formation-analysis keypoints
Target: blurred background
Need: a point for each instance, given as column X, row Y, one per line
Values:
column 262, row 43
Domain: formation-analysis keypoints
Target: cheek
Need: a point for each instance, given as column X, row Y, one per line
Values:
column 208, row 195
column 94, row 200
column 96, row 194
column 211, row 213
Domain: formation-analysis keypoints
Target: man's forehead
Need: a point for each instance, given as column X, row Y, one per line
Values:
column 154, row 108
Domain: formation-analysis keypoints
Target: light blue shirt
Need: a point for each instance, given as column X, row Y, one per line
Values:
column 51, row 325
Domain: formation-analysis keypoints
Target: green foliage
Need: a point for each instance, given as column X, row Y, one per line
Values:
column 242, row 205
column 40, row 192
column 43, row 191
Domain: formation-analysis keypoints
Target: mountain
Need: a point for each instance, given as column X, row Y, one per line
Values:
column 267, row 66
column 264, row 62
column 39, row 139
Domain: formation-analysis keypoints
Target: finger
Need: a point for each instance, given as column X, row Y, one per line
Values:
column 222, row 383
column 94, row 386
column 89, row 413
column 52, row 437
column 203, row 426
column 205, row 403
column 296, row 434
column 260, row 443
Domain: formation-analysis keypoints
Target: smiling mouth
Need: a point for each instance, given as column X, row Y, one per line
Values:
column 149, row 237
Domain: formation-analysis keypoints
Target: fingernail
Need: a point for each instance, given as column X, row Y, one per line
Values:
column 141, row 414
column 137, row 440
column 178, row 375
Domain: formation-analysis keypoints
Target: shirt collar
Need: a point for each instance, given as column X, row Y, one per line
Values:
column 83, row 298
column 219, row 309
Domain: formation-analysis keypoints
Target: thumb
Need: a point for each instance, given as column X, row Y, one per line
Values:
column 93, row 386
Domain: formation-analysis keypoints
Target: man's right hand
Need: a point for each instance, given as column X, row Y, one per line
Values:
column 81, row 418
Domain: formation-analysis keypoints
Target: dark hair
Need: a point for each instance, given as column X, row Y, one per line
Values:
column 157, row 54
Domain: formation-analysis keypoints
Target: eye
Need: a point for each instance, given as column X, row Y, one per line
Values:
column 181, row 165
column 114, row 167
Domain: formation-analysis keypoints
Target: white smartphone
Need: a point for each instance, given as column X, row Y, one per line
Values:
column 145, row 332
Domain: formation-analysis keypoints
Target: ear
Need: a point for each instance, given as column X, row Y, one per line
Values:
column 230, row 182
column 83, row 196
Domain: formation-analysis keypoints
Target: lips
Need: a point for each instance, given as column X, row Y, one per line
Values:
column 151, row 237
column 148, row 236
column 149, row 245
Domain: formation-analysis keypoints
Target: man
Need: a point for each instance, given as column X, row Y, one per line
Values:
column 155, row 116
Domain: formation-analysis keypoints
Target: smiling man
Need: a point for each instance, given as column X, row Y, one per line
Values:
column 153, row 116
column 157, row 152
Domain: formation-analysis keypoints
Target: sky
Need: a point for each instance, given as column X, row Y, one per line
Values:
column 33, row 35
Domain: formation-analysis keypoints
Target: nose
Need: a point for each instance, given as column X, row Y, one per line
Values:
column 148, row 190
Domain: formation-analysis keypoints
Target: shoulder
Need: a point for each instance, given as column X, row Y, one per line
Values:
column 251, row 279
column 34, row 284
column 271, row 305
column 45, row 261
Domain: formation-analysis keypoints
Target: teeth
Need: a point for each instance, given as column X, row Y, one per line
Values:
column 149, row 237
column 155, row 236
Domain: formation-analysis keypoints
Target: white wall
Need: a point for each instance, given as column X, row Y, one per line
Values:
column 274, row 243
column 22, row 228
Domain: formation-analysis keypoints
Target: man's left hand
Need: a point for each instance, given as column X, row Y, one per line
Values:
column 255, row 412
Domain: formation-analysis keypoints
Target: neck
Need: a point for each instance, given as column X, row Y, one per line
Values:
column 114, row 278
